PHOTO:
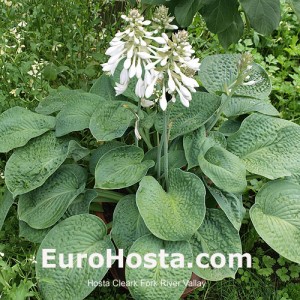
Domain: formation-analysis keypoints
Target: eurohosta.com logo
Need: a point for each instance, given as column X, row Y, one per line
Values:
column 52, row 259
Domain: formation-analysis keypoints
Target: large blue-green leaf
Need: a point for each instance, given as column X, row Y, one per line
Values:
column 76, row 116
column 225, row 169
column 221, row 70
column 100, row 151
column 30, row 166
column 80, row 234
column 276, row 217
column 121, row 167
column 111, row 120
column 231, row 204
column 244, row 105
column 56, row 101
column 18, row 125
column 165, row 213
column 192, row 144
column 44, row 206
column 159, row 277
column 128, row 225
column 103, row 87
column 183, row 120
column 268, row 146
column 216, row 235
column 79, row 206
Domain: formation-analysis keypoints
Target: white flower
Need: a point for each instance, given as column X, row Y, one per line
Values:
column 146, row 103
column 120, row 88
column 22, row 24
column 128, row 44
column 140, row 88
column 175, row 67
column 161, row 64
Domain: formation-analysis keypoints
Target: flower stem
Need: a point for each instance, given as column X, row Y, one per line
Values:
column 158, row 160
column 166, row 145
column 145, row 138
column 219, row 113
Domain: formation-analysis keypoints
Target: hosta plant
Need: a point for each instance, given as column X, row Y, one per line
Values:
column 165, row 144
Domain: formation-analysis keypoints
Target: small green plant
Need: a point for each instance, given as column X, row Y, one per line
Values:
column 168, row 161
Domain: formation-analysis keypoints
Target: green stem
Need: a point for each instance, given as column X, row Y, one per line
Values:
column 219, row 113
column 166, row 146
column 145, row 138
column 110, row 195
column 158, row 160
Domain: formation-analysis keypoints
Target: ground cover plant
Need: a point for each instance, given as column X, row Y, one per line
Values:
column 90, row 142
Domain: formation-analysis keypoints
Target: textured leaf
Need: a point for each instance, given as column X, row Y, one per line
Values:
column 219, row 70
column 261, row 89
column 219, row 14
column 103, row 87
column 44, row 206
column 176, row 159
column 237, row 106
column 165, row 214
column 31, row 234
column 30, row 166
column 100, row 151
column 264, row 15
column 229, row 127
column 225, row 169
column 128, row 224
column 76, row 116
column 76, row 151
column 231, row 204
column 79, row 206
column 18, row 125
column 276, row 217
column 233, row 32
column 268, row 146
column 215, row 138
column 192, row 143
column 78, row 234
column 216, row 235
column 184, row 120
column 56, row 101
column 111, row 120
column 159, row 276
column 121, row 167
column 186, row 10
column 6, row 201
